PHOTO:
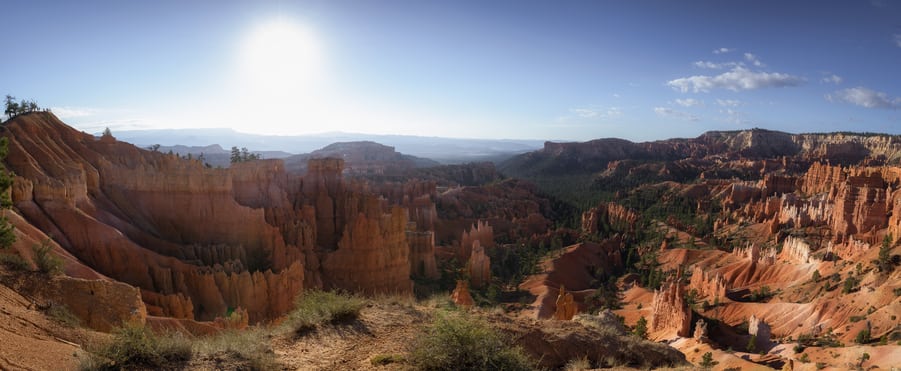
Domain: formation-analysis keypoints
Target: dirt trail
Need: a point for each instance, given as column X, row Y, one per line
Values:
column 382, row 329
column 31, row 341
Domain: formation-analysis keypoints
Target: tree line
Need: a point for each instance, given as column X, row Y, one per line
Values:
column 14, row 108
column 243, row 155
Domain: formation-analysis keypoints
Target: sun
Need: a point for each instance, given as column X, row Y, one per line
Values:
column 280, row 59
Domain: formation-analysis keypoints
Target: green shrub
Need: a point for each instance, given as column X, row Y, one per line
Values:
column 456, row 341
column 15, row 262
column 45, row 260
column 641, row 328
column 850, row 285
column 707, row 361
column 316, row 308
column 387, row 359
column 863, row 336
column 62, row 314
column 134, row 346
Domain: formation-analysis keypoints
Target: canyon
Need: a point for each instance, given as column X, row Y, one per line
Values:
column 758, row 247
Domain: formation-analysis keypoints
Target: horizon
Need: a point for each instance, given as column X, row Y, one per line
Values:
column 641, row 71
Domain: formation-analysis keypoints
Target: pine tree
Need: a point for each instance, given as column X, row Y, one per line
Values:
column 7, row 234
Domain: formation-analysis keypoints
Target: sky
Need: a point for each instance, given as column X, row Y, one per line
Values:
column 558, row 70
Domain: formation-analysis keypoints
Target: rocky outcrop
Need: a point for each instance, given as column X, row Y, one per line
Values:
column 100, row 304
column 700, row 333
column 480, row 232
column 575, row 269
column 670, row 314
column 760, row 330
column 608, row 217
column 565, row 305
column 709, row 284
column 479, row 266
column 200, row 242
column 422, row 254
column 372, row 255
column 796, row 250
column 460, row 296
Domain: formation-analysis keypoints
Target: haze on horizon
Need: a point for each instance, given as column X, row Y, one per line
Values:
column 576, row 70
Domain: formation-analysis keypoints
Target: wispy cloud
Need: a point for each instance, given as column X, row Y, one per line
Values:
column 74, row 112
column 728, row 102
column 689, row 102
column 723, row 51
column 734, row 117
column 898, row 39
column 714, row 65
column 737, row 79
column 673, row 114
column 833, row 79
column 865, row 97
column 753, row 59
column 597, row 112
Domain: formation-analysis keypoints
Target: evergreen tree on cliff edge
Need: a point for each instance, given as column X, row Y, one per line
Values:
column 7, row 235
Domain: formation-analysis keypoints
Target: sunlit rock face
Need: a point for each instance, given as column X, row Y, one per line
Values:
column 199, row 242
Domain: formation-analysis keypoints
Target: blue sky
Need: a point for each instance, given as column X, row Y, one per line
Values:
column 563, row 70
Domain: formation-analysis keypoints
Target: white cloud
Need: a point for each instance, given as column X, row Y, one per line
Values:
column 689, row 102
column 753, row 59
column 714, row 65
column 597, row 112
column 739, row 78
column 73, row 112
column 671, row 113
column 898, row 39
column 728, row 102
column 865, row 97
column 832, row 79
column 723, row 51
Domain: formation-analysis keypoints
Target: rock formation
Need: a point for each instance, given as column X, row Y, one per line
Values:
column 700, row 333
column 199, row 242
column 760, row 330
column 461, row 296
column 422, row 254
column 608, row 216
column 796, row 250
column 670, row 314
column 708, row 284
column 565, row 307
column 575, row 269
column 479, row 266
column 481, row 232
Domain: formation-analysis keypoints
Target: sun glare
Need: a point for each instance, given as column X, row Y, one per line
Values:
column 280, row 58
column 279, row 79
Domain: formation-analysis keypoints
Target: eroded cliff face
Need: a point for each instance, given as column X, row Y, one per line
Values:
column 201, row 242
column 670, row 314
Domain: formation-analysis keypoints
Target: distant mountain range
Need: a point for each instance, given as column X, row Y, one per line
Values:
column 443, row 150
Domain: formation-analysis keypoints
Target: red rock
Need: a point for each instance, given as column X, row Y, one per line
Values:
column 670, row 314
column 565, row 306
column 481, row 232
column 479, row 266
column 461, row 296
column 708, row 284
column 611, row 214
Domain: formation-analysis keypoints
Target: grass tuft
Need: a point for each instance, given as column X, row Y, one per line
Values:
column 315, row 308
column 387, row 359
column 45, row 260
column 134, row 346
